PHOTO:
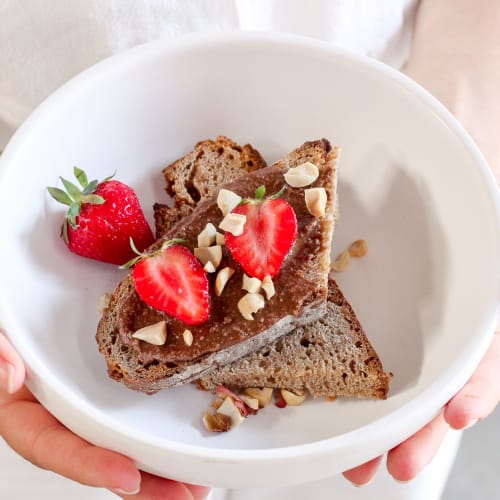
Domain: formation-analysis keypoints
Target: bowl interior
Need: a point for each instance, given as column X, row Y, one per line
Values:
column 411, row 184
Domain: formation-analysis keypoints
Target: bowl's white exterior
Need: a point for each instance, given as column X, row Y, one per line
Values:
column 411, row 182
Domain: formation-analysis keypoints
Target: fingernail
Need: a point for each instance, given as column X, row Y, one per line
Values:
column 119, row 491
column 472, row 422
column 7, row 377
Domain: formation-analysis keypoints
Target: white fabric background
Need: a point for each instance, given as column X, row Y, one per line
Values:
column 44, row 43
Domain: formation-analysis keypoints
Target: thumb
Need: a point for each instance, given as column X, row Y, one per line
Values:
column 12, row 371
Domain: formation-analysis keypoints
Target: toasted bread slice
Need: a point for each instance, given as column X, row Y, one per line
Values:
column 200, row 173
column 227, row 336
column 331, row 357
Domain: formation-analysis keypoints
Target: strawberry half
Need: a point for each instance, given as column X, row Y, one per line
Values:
column 173, row 281
column 269, row 232
column 101, row 219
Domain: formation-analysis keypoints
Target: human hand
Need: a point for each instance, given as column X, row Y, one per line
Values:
column 37, row 436
column 475, row 401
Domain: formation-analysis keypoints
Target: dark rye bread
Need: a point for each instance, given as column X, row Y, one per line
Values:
column 198, row 175
column 301, row 290
column 331, row 357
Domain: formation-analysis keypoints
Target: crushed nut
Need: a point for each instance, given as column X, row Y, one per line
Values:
column 227, row 200
column 358, row 248
column 222, row 278
column 341, row 262
column 188, row 337
column 251, row 285
column 233, row 223
column 252, row 403
column 153, row 334
column 229, row 409
column 207, row 237
column 103, row 302
column 209, row 254
column 302, row 175
column 268, row 287
column 291, row 398
column 250, row 304
column 316, row 201
column 263, row 396
column 220, row 239
column 209, row 267
column 216, row 422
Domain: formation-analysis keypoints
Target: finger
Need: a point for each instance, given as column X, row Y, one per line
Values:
column 12, row 370
column 36, row 435
column 481, row 393
column 156, row 488
column 405, row 461
column 363, row 474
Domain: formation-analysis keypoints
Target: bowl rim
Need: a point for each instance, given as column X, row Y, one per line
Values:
column 449, row 381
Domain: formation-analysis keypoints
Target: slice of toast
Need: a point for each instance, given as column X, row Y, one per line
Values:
column 331, row 357
column 301, row 289
column 200, row 173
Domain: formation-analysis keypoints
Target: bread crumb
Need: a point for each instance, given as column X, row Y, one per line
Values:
column 358, row 248
column 341, row 262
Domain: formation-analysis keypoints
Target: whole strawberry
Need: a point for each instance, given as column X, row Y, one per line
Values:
column 102, row 218
column 268, row 235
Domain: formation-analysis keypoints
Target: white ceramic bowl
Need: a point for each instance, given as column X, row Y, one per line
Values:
column 412, row 184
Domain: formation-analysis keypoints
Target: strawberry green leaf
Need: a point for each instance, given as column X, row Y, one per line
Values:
column 72, row 189
column 90, row 187
column 73, row 213
column 60, row 196
column 64, row 231
column 278, row 194
column 260, row 192
column 109, row 177
column 81, row 176
column 134, row 248
column 94, row 199
column 132, row 262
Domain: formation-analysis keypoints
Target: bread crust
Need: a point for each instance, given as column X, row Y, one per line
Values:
column 125, row 358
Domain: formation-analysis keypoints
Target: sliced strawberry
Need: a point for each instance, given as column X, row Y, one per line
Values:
column 173, row 281
column 269, row 232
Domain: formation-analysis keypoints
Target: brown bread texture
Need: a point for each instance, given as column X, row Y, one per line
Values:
column 199, row 174
column 331, row 357
column 226, row 336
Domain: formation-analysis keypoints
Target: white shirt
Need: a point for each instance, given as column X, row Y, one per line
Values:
column 44, row 43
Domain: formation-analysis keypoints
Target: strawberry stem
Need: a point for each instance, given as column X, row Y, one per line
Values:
column 144, row 255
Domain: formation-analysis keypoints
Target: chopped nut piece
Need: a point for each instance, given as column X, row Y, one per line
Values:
column 207, row 237
column 341, row 262
column 358, row 248
column 263, row 396
column 103, row 302
column 188, row 337
column 220, row 239
column 216, row 422
column 209, row 254
column 302, row 175
column 291, row 398
column 233, row 223
column 316, row 201
column 222, row 278
column 227, row 200
column 251, row 285
column 153, row 334
column 209, row 267
column 252, row 403
column 229, row 409
column 268, row 287
column 250, row 304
